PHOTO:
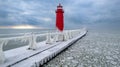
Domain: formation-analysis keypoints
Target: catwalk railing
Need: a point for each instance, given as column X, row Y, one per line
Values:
column 31, row 38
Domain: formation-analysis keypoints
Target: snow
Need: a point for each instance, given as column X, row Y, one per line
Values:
column 15, row 55
column 22, row 57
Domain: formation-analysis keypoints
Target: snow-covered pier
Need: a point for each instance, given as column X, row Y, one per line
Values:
column 36, row 54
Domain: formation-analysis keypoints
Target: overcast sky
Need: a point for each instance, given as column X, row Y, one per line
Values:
column 41, row 13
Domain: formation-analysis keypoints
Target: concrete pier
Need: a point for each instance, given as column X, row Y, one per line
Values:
column 22, row 57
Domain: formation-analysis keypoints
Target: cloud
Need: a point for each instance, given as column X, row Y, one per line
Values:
column 42, row 12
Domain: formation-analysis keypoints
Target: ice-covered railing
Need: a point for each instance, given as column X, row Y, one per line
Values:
column 31, row 38
column 62, row 36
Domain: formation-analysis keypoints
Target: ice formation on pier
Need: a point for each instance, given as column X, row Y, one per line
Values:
column 51, row 38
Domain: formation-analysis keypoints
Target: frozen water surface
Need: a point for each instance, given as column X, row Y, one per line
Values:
column 96, row 49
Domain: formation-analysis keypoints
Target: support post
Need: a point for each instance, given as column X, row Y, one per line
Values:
column 60, row 36
column 32, row 42
column 2, row 56
column 66, row 35
column 48, row 38
column 70, row 34
column 55, row 38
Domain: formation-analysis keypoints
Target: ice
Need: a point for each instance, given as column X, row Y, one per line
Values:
column 94, row 50
column 109, row 58
column 113, row 62
column 69, row 58
column 42, row 52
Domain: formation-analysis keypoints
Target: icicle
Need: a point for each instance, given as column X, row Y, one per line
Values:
column 55, row 37
column 70, row 34
column 25, row 37
column 66, row 35
column 6, row 42
column 48, row 38
column 60, row 36
column 2, row 56
column 32, row 42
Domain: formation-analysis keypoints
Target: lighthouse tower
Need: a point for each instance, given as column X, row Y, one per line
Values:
column 59, row 18
column 60, row 23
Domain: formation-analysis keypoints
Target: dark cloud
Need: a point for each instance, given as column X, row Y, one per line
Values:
column 42, row 12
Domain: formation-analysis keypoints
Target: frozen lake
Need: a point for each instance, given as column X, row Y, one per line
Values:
column 96, row 49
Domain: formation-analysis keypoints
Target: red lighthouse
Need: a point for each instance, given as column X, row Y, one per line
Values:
column 59, row 18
